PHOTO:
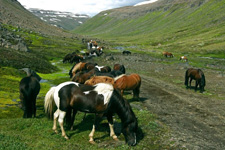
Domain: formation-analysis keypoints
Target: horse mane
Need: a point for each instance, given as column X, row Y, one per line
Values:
column 120, row 76
column 126, row 114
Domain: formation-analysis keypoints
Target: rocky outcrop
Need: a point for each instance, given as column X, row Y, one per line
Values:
column 8, row 39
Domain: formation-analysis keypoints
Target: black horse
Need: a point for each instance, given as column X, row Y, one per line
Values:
column 198, row 76
column 100, row 99
column 29, row 88
column 126, row 52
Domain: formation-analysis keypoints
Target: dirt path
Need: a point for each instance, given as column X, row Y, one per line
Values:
column 197, row 121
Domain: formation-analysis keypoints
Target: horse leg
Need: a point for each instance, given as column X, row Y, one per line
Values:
column 97, row 120
column 62, row 115
column 56, row 115
column 122, row 92
column 136, row 92
column 73, row 118
column 190, row 82
column 196, row 85
column 34, row 107
column 112, row 133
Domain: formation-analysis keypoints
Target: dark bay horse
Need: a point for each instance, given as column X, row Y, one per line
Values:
column 100, row 99
column 198, row 76
column 29, row 88
column 128, row 82
column 120, row 68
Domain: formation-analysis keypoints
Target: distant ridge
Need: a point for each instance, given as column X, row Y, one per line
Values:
column 64, row 20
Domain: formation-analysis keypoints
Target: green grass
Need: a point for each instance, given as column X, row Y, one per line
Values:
column 184, row 28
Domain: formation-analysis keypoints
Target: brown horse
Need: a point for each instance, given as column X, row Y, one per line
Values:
column 83, row 76
column 103, row 69
column 120, row 68
column 128, row 82
column 167, row 54
column 197, row 75
column 82, row 66
column 184, row 58
column 99, row 79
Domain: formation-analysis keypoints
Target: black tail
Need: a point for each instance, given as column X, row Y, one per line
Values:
column 186, row 78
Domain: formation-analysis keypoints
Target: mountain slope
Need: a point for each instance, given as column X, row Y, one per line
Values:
column 176, row 25
column 13, row 13
column 65, row 20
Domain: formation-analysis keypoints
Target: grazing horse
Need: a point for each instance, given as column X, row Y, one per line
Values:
column 128, row 82
column 82, row 66
column 100, row 99
column 83, row 76
column 103, row 69
column 29, row 88
column 99, row 79
column 126, row 52
column 198, row 76
column 120, row 68
column 184, row 58
column 167, row 54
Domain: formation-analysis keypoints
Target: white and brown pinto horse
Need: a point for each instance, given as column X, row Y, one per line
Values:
column 100, row 99
column 184, row 58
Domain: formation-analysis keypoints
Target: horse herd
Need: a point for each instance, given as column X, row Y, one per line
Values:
column 93, row 89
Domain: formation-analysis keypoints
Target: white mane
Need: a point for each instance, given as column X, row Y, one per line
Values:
column 106, row 90
column 116, row 78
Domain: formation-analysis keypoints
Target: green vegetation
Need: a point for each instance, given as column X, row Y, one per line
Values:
column 45, row 57
column 193, row 28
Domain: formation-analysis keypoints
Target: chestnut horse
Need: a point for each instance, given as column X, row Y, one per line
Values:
column 167, row 54
column 128, row 82
column 99, row 79
column 82, row 66
column 198, row 76
column 100, row 99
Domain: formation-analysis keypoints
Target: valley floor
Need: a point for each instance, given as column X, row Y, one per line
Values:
column 196, row 120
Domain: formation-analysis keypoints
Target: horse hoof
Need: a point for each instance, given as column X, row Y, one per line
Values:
column 92, row 142
column 66, row 137
column 116, row 139
column 56, row 131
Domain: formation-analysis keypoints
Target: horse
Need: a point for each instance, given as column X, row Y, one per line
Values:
column 126, row 52
column 103, row 69
column 167, row 54
column 82, row 66
column 184, row 58
column 128, row 82
column 197, row 75
column 99, row 79
column 29, row 88
column 120, row 68
column 67, row 58
column 101, row 99
column 83, row 76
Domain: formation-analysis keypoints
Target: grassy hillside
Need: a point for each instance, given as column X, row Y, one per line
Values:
column 193, row 27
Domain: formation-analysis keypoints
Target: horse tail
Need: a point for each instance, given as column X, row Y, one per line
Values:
column 49, row 102
column 203, row 82
column 186, row 78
